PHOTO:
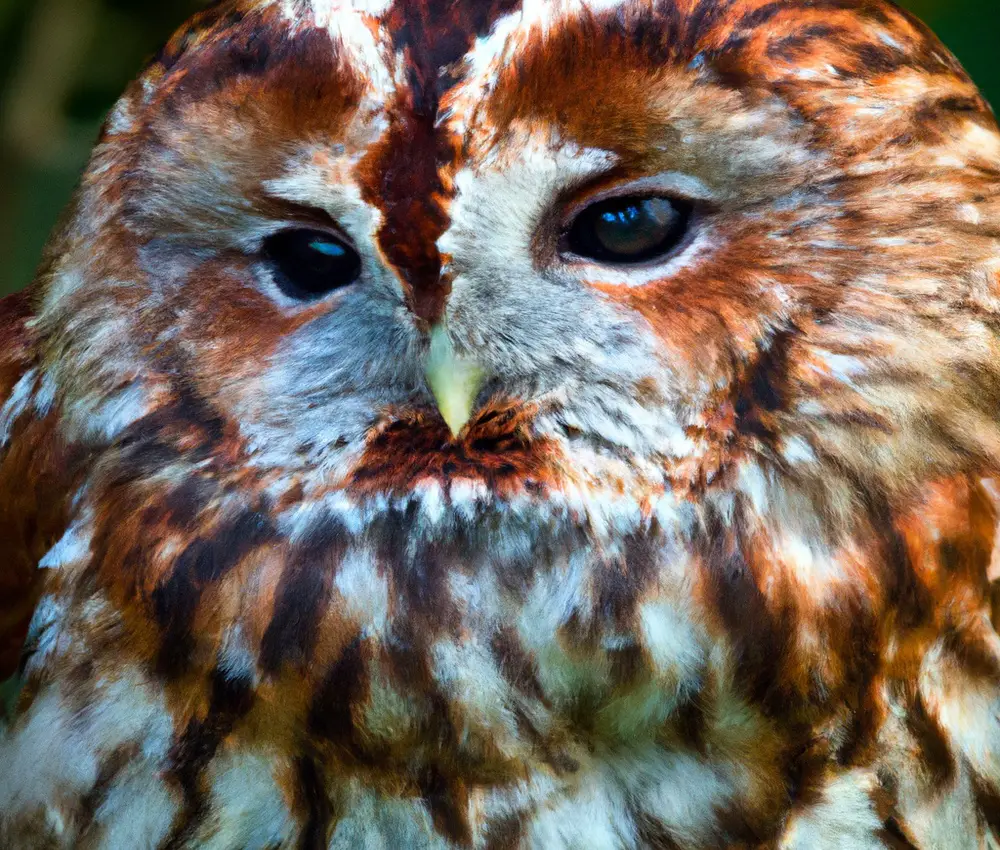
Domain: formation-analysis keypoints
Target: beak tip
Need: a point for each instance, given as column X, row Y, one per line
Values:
column 455, row 402
column 454, row 381
column 455, row 425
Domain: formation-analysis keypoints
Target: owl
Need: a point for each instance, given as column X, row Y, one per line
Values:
column 513, row 425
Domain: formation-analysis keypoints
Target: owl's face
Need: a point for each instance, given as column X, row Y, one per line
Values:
column 576, row 253
column 507, row 423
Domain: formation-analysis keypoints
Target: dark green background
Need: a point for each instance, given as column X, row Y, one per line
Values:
column 63, row 63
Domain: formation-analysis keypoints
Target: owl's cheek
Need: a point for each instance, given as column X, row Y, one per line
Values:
column 287, row 393
column 705, row 339
column 230, row 328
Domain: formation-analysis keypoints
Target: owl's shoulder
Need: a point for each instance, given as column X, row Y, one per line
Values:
column 15, row 353
column 991, row 488
column 33, row 495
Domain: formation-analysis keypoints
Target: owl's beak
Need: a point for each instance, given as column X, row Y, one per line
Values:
column 454, row 380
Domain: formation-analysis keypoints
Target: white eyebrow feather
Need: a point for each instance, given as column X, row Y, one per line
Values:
column 346, row 22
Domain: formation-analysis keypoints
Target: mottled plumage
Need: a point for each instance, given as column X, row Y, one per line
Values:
column 709, row 564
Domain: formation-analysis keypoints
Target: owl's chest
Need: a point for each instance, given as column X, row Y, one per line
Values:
column 486, row 651
column 431, row 684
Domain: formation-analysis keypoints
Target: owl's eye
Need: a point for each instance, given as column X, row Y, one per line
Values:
column 629, row 230
column 309, row 264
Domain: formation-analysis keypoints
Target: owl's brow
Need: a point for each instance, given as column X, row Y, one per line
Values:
column 230, row 42
column 402, row 174
column 281, row 209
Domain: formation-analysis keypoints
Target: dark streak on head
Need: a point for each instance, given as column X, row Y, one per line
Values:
column 402, row 174
column 652, row 833
column 763, row 392
column 988, row 799
column 893, row 837
column 440, row 32
column 860, row 735
column 621, row 583
column 422, row 581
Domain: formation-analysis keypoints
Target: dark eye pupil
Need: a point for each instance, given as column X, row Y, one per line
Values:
column 309, row 264
column 629, row 230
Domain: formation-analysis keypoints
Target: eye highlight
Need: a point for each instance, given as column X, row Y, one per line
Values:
column 629, row 229
column 309, row 264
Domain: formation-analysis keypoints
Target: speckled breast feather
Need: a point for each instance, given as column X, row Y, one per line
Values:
column 709, row 564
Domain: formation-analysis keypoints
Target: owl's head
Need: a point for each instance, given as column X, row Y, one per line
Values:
column 580, row 251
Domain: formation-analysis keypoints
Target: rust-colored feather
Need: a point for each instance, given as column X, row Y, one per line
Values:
column 19, row 577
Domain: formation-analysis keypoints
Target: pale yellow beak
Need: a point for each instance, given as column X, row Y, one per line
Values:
column 455, row 381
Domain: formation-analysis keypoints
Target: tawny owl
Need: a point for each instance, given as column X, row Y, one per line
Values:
column 558, row 424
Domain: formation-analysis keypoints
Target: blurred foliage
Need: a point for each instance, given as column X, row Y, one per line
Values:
column 63, row 63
